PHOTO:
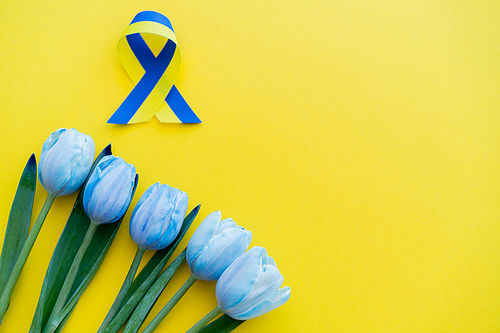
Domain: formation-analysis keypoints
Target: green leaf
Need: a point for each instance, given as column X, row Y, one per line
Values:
column 63, row 255
column 146, row 303
column 19, row 221
column 223, row 324
column 80, row 288
column 148, row 275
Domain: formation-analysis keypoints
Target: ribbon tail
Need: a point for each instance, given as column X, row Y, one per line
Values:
column 177, row 108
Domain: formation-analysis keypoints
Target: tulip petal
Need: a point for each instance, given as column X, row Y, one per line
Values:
column 220, row 252
column 246, row 270
column 144, row 222
column 116, row 200
column 265, row 288
column 49, row 143
column 93, row 179
column 168, row 198
column 173, row 221
column 80, row 166
column 146, row 195
column 264, row 306
column 226, row 224
column 202, row 235
column 144, row 233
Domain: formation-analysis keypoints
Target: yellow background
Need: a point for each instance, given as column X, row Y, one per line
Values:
column 358, row 141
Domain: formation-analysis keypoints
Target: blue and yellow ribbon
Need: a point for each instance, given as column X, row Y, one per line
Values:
column 153, row 75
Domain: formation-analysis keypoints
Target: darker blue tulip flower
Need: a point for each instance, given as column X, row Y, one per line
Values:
column 109, row 190
column 158, row 217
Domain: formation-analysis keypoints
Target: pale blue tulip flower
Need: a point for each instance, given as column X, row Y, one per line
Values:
column 106, row 197
column 215, row 245
column 65, row 161
column 109, row 190
column 250, row 287
column 158, row 217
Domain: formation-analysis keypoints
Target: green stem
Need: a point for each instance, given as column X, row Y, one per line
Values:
column 124, row 289
column 168, row 307
column 23, row 256
column 70, row 278
column 205, row 320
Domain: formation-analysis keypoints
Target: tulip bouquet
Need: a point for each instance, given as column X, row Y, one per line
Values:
column 248, row 283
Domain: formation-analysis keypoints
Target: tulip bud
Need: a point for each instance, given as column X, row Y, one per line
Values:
column 215, row 245
column 65, row 161
column 109, row 190
column 250, row 287
column 158, row 217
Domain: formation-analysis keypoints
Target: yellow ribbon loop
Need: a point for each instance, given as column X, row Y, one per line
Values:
column 153, row 74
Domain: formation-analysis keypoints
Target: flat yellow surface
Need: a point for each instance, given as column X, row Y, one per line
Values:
column 358, row 140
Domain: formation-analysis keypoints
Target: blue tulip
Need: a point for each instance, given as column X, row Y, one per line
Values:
column 215, row 245
column 65, row 161
column 250, row 287
column 108, row 191
column 158, row 217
